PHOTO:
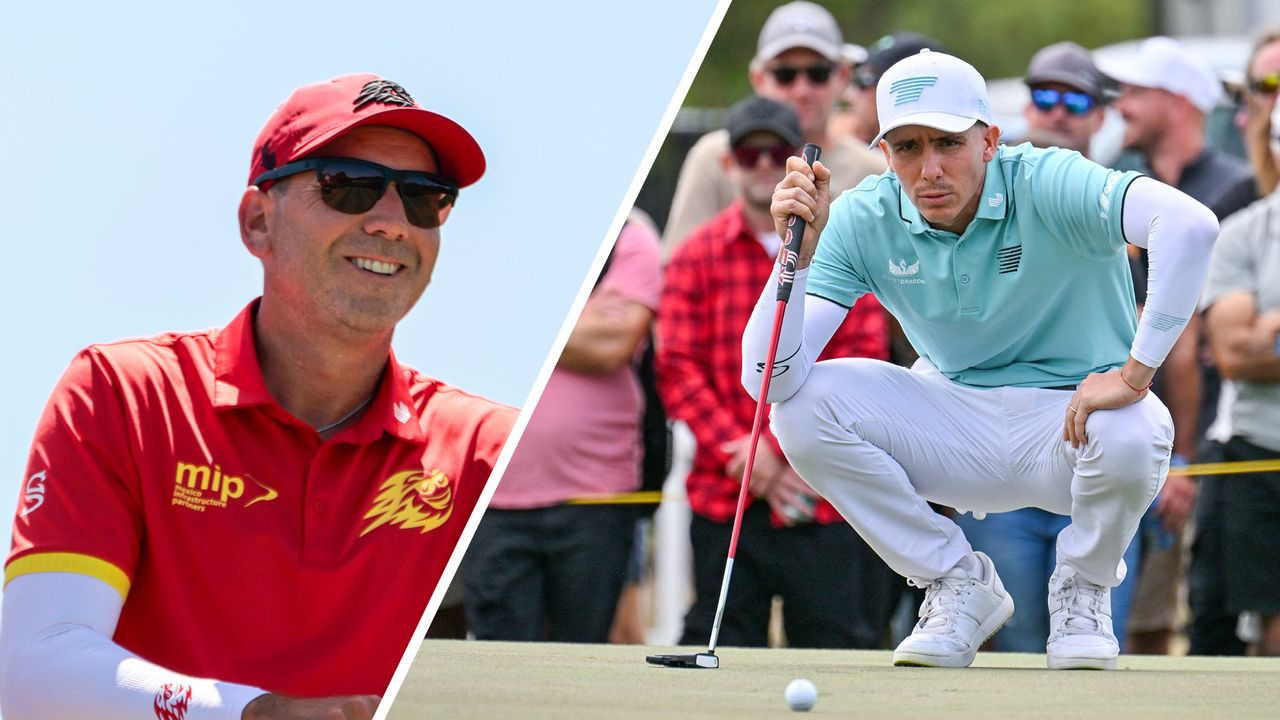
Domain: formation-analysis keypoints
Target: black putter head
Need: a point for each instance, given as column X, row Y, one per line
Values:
column 699, row 660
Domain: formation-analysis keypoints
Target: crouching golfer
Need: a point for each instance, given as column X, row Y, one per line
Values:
column 1006, row 267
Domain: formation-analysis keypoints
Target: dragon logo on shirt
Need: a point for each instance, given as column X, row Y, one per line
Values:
column 412, row 500
column 172, row 701
column 901, row 268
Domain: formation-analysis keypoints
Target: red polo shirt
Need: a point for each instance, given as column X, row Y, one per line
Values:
column 248, row 549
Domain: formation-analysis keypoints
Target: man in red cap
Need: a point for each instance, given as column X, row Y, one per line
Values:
column 248, row 522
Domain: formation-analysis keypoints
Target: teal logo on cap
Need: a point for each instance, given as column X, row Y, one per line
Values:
column 909, row 89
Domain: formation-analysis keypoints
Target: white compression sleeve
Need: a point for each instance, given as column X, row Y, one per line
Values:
column 1178, row 233
column 807, row 327
column 57, row 660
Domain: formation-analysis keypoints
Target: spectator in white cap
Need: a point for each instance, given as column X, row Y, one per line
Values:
column 800, row 60
column 1166, row 91
column 1007, row 268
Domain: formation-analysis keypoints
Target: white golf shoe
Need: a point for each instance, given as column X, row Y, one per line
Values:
column 959, row 613
column 1080, row 634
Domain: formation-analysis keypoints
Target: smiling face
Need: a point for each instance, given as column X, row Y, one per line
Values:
column 327, row 268
column 942, row 172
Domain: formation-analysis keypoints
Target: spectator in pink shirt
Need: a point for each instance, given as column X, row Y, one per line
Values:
column 538, row 567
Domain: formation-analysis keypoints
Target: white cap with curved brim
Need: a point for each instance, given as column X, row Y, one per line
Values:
column 1167, row 64
column 933, row 89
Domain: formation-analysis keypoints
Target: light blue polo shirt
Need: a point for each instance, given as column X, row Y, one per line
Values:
column 1035, row 293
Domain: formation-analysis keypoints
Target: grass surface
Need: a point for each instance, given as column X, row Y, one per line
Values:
column 456, row 679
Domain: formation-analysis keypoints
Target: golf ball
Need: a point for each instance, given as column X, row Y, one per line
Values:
column 801, row 694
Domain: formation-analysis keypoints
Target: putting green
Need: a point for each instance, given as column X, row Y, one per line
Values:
column 460, row 679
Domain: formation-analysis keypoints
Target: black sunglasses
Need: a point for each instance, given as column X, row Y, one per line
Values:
column 354, row 186
column 818, row 74
column 1076, row 103
column 748, row 155
column 1268, row 84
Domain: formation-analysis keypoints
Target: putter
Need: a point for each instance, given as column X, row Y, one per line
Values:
column 786, row 278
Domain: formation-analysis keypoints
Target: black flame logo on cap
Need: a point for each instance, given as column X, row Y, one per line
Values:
column 384, row 92
column 268, row 157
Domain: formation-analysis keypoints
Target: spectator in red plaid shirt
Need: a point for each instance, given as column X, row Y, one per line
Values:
column 791, row 540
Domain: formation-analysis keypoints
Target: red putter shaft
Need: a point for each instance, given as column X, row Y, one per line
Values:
column 786, row 279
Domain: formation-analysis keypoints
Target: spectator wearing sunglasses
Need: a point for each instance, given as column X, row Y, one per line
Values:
column 1213, row 596
column 1066, row 94
column 1064, row 109
column 1262, row 84
column 799, row 61
column 1166, row 92
column 789, row 540
column 234, row 522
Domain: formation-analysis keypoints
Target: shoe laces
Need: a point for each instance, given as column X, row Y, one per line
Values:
column 942, row 599
column 1082, row 602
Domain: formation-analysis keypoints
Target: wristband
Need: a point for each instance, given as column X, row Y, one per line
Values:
column 1131, row 387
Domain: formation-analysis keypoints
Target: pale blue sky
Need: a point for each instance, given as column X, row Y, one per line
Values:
column 127, row 131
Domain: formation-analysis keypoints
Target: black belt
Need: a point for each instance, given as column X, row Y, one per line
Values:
column 1072, row 388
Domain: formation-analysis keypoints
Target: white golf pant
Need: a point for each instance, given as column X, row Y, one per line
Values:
column 880, row 442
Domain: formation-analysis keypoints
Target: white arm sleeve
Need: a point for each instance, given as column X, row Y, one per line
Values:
column 1178, row 233
column 57, row 660
column 807, row 327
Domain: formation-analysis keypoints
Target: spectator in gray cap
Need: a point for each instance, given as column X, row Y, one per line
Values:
column 1067, row 98
column 800, row 61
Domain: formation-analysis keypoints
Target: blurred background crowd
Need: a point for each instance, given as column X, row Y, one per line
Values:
column 612, row 521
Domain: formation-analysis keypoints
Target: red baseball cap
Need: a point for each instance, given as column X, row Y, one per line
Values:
column 316, row 114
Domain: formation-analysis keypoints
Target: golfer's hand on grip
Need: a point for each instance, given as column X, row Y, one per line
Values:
column 806, row 192
column 337, row 707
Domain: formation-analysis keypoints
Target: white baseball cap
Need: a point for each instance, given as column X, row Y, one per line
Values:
column 933, row 89
column 1167, row 64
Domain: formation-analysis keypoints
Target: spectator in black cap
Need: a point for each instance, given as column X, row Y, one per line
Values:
column 881, row 55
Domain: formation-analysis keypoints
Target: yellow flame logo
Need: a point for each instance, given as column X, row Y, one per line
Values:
column 411, row 499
